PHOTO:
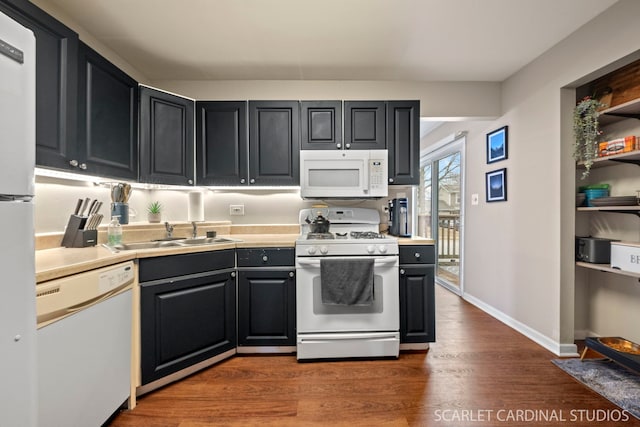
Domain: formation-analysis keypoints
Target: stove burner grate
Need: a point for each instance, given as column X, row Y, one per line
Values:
column 320, row 236
column 366, row 235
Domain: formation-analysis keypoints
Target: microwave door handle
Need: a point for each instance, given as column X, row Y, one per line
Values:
column 365, row 179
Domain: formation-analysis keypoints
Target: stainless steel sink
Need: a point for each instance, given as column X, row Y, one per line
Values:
column 170, row 242
column 205, row 241
column 144, row 245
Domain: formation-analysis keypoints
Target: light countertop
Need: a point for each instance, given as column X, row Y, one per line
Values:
column 58, row 262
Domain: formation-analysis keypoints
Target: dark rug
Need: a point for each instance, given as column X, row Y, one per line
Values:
column 612, row 381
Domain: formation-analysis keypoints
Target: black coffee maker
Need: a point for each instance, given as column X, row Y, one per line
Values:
column 399, row 217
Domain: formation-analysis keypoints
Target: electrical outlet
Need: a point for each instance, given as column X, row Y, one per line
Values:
column 474, row 199
column 236, row 209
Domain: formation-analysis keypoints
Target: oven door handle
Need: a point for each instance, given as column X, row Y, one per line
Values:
column 378, row 261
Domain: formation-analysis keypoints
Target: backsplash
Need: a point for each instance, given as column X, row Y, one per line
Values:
column 56, row 198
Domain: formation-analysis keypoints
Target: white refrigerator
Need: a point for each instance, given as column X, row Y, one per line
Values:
column 18, row 376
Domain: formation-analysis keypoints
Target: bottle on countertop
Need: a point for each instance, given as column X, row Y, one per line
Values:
column 114, row 232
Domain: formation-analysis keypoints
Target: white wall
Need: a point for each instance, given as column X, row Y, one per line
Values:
column 519, row 254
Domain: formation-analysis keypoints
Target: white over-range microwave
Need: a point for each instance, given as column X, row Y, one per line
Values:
column 326, row 174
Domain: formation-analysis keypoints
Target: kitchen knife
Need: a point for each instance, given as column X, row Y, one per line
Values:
column 84, row 206
column 92, row 206
column 78, row 205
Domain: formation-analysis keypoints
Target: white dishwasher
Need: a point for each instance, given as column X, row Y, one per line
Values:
column 84, row 346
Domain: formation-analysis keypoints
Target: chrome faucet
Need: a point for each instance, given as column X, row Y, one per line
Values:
column 169, row 228
column 194, row 232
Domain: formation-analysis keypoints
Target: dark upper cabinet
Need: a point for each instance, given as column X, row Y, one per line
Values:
column 166, row 138
column 108, row 117
column 321, row 125
column 274, row 142
column 364, row 125
column 403, row 142
column 56, row 84
column 221, row 142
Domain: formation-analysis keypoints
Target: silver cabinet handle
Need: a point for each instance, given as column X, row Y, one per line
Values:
column 347, row 146
column 83, row 166
column 73, row 163
column 242, row 181
column 291, row 274
column 417, row 254
column 402, row 271
column 233, row 274
column 338, row 145
column 265, row 258
column 252, row 181
column 390, row 179
column 190, row 182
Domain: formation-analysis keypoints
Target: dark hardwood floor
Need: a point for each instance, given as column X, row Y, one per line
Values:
column 478, row 373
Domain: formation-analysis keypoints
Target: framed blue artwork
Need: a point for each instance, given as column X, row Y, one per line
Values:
column 497, row 144
column 496, row 185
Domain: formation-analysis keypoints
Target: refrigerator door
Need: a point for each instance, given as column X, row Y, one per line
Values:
column 17, row 108
column 18, row 394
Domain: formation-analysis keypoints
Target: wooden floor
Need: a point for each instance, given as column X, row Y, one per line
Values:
column 479, row 370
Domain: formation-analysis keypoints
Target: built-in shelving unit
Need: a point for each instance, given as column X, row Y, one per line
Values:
column 606, row 268
column 620, row 112
column 632, row 157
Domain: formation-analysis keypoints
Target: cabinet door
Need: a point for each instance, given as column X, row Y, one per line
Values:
column 185, row 321
column 108, row 117
column 403, row 142
column 221, row 143
column 274, row 142
column 417, row 304
column 56, row 84
column 166, row 138
column 266, row 307
column 321, row 125
column 364, row 124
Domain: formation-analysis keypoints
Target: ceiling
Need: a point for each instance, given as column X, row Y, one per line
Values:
column 411, row 40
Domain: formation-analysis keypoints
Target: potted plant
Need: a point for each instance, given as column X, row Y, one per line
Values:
column 154, row 212
column 586, row 132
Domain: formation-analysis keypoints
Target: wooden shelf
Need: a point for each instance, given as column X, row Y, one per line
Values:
column 635, row 209
column 632, row 157
column 628, row 110
column 606, row 268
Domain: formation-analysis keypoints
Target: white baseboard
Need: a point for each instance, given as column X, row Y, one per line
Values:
column 561, row 350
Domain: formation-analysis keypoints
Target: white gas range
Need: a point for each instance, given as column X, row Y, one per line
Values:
column 347, row 298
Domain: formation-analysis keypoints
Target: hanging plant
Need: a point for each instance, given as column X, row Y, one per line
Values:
column 586, row 132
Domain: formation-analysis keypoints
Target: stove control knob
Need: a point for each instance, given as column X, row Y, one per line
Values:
column 371, row 249
column 382, row 249
column 312, row 250
column 324, row 250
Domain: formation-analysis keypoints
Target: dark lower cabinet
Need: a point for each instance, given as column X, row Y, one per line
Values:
column 166, row 138
column 274, row 143
column 403, row 142
column 417, row 294
column 56, row 84
column 108, row 117
column 186, row 318
column 364, row 125
column 266, row 297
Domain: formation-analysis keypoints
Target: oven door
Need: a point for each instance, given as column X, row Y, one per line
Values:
column 313, row 316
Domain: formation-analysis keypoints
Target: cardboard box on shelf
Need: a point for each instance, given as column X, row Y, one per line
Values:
column 616, row 146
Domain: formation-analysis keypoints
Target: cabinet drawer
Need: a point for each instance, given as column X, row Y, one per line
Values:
column 418, row 254
column 179, row 265
column 266, row 257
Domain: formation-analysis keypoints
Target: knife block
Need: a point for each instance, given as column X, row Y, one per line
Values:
column 75, row 236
